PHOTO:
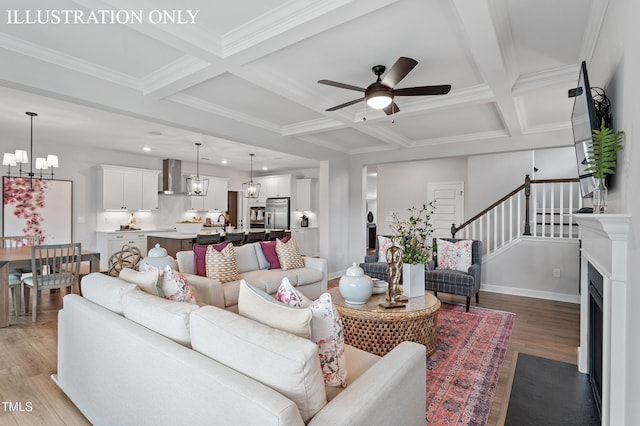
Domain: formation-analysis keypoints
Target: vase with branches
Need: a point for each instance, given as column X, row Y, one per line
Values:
column 413, row 235
column 601, row 160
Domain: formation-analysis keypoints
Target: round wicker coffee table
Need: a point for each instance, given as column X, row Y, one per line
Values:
column 378, row 330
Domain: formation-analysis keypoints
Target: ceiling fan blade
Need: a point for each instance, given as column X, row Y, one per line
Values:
column 392, row 108
column 398, row 71
column 423, row 90
column 341, row 85
column 346, row 104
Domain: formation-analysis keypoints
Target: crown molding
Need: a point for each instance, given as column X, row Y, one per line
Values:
column 64, row 60
column 312, row 126
column 537, row 80
column 494, row 134
column 592, row 30
column 274, row 22
column 172, row 72
column 193, row 102
column 320, row 142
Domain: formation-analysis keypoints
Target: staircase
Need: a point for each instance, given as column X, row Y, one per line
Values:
column 537, row 208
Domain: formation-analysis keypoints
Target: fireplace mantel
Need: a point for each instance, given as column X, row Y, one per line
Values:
column 604, row 245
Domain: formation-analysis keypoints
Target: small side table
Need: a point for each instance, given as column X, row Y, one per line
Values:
column 377, row 330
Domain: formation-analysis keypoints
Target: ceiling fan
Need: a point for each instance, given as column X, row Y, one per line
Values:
column 380, row 94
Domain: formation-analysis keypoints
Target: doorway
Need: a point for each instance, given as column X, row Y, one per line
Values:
column 232, row 206
column 449, row 206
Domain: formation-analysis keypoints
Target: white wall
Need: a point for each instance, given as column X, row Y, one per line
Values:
column 526, row 268
column 556, row 163
column 490, row 177
column 403, row 185
column 615, row 66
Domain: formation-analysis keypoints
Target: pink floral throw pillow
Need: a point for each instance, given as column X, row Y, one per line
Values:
column 326, row 331
column 288, row 295
column 384, row 243
column 175, row 286
column 456, row 256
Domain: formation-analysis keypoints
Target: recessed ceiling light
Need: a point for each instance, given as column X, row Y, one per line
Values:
column 265, row 168
column 224, row 161
column 146, row 148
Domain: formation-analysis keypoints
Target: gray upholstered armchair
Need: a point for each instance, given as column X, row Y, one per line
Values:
column 372, row 267
column 456, row 282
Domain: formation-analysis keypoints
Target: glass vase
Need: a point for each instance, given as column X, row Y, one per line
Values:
column 600, row 197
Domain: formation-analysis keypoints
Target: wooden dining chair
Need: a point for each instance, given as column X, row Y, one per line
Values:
column 15, row 275
column 52, row 266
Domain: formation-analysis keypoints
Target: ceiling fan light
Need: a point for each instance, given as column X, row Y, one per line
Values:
column 379, row 101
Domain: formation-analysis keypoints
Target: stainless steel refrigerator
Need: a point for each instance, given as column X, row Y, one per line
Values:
column 277, row 213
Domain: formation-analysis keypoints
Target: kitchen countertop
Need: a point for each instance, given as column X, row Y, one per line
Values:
column 133, row 231
column 178, row 236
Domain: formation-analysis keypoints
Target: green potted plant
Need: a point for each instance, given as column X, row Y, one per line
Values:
column 601, row 160
column 413, row 235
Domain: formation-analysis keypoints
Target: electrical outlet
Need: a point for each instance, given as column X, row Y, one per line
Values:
column 556, row 272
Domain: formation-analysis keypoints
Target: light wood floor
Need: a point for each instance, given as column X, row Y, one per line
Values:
column 28, row 355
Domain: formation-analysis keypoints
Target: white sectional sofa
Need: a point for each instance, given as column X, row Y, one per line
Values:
column 310, row 280
column 126, row 357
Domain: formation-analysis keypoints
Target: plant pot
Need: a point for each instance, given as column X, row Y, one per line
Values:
column 413, row 280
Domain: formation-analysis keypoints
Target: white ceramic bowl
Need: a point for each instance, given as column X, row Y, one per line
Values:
column 189, row 227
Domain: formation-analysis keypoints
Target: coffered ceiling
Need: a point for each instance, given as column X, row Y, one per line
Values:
column 243, row 77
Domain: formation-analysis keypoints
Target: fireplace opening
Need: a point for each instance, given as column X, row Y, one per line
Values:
column 595, row 333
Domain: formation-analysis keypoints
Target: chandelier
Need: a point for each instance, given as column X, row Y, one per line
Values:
column 197, row 186
column 20, row 157
column 251, row 189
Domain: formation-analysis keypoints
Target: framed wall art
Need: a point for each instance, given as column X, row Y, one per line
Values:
column 37, row 207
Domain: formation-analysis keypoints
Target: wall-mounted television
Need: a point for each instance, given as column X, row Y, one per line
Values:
column 584, row 121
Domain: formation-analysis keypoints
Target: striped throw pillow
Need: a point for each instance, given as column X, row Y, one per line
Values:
column 288, row 255
column 221, row 265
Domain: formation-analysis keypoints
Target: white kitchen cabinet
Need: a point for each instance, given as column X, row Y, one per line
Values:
column 276, row 186
column 306, row 240
column 125, row 188
column 216, row 198
column 112, row 242
column 306, row 195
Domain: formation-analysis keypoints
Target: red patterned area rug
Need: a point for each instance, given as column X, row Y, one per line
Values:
column 463, row 372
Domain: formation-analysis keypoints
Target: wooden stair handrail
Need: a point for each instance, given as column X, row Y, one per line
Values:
column 527, row 193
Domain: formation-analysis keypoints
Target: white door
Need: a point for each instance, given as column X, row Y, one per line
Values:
column 449, row 206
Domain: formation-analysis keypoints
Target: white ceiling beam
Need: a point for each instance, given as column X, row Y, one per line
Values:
column 477, row 22
column 542, row 79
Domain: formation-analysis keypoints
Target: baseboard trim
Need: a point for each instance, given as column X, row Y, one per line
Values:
column 538, row 294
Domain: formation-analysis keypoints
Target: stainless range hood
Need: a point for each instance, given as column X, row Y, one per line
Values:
column 172, row 177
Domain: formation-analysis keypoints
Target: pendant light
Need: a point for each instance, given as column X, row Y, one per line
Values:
column 197, row 186
column 21, row 157
column 251, row 189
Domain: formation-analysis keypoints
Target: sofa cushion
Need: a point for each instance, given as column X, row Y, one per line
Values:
column 384, row 243
column 106, row 291
column 270, row 280
column 221, row 265
column 246, row 258
column 454, row 255
column 288, row 255
column 280, row 360
column 326, row 331
column 200, row 256
column 262, row 261
column 358, row 361
column 307, row 276
column 175, row 286
column 166, row 317
column 269, row 251
column 259, row 306
column 146, row 280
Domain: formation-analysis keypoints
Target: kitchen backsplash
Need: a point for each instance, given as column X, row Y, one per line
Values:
column 171, row 209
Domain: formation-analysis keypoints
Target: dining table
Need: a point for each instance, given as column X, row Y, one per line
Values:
column 20, row 257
